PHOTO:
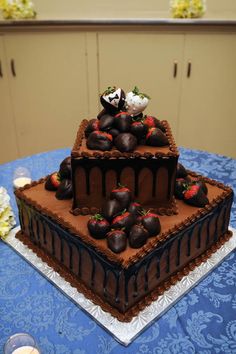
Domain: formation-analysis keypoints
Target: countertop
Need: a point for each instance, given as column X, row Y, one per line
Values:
column 94, row 23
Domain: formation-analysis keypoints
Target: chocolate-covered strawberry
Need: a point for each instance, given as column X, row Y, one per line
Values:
column 114, row 132
column 152, row 122
column 123, row 221
column 136, row 102
column 122, row 122
column 113, row 99
column 111, row 208
column 135, row 208
column 155, row 137
column 117, row 240
column 195, row 196
column 151, row 223
column 98, row 226
column 138, row 129
column 52, row 182
column 123, row 195
column 202, row 184
column 181, row 184
column 65, row 168
column 181, row 171
column 93, row 125
column 100, row 114
column 64, row 191
column 125, row 142
column 98, row 140
column 106, row 122
column 138, row 236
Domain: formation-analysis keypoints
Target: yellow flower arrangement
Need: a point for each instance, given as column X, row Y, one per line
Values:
column 7, row 220
column 17, row 9
column 188, row 8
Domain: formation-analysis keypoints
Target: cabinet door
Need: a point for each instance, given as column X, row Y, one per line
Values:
column 8, row 142
column 208, row 109
column 48, row 87
column 146, row 60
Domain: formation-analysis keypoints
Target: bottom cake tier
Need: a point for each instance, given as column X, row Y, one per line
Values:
column 124, row 283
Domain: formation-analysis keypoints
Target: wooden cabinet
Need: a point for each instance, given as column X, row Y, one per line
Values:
column 8, row 140
column 207, row 116
column 198, row 101
column 146, row 60
column 48, row 88
column 50, row 81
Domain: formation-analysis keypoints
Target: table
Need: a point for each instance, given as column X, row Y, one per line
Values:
column 203, row 322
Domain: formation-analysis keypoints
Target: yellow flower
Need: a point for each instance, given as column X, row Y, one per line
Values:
column 17, row 9
column 187, row 8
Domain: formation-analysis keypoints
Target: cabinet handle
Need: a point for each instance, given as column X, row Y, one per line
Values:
column 175, row 69
column 1, row 73
column 13, row 70
column 189, row 69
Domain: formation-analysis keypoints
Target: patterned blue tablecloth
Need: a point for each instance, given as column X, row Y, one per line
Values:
column 203, row 322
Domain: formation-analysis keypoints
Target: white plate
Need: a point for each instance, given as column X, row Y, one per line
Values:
column 123, row 332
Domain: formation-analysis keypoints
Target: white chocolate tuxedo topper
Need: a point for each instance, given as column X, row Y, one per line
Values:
column 136, row 102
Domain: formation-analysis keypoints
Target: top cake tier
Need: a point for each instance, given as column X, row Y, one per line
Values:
column 148, row 171
column 80, row 148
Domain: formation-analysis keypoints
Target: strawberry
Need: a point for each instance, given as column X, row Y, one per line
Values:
column 98, row 140
column 153, row 122
column 138, row 236
column 135, row 208
column 201, row 183
column 123, row 195
column 100, row 114
column 106, row 122
column 181, row 184
column 117, row 240
column 113, row 99
column 64, row 191
column 111, row 208
column 125, row 142
column 93, row 125
column 151, row 223
column 136, row 102
column 114, row 132
column 123, row 221
column 138, row 129
column 181, row 171
column 122, row 122
column 65, row 168
column 155, row 137
column 98, row 226
column 52, row 182
column 195, row 196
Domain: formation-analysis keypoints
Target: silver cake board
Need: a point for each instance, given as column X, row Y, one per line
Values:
column 124, row 332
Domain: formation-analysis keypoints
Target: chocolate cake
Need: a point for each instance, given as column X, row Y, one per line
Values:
column 149, row 172
column 86, row 222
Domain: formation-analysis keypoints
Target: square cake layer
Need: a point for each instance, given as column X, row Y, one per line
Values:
column 149, row 172
column 122, row 283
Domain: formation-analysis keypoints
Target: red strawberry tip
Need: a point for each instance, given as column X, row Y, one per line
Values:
column 191, row 191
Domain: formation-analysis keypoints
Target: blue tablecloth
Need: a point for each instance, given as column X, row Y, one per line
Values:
column 203, row 322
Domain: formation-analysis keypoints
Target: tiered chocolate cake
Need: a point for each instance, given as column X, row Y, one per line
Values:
column 122, row 220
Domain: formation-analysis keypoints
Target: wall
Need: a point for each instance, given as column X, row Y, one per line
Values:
column 122, row 9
